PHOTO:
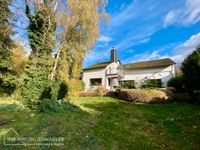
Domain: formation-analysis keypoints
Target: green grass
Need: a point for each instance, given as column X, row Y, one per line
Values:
column 108, row 123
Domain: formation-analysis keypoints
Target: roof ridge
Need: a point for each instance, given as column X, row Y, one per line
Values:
column 148, row 61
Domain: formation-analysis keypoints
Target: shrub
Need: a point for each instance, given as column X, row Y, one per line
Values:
column 49, row 105
column 59, row 90
column 169, row 91
column 191, row 73
column 177, row 83
column 143, row 95
column 181, row 97
column 101, row 90
column 152, row 83
column 40, row 90
column 127, row 84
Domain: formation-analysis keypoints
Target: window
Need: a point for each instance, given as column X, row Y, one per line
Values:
column 128, row 84
column 96, row 82
column 152, row 83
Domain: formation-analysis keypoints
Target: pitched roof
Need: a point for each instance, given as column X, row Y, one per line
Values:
column 148, row 64
column 98, row 65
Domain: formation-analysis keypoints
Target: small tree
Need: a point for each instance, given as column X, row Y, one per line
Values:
column 191, row 73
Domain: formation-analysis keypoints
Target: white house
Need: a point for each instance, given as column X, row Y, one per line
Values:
column 113, row 74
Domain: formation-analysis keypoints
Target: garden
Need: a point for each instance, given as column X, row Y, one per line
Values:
column 42, row 99
column 107, row 123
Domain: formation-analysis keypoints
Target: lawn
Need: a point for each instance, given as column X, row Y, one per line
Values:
column 108, row 123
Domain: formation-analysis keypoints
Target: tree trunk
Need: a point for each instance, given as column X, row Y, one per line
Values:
column 55, row 66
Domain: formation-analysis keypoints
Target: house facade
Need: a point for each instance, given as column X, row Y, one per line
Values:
column 112, row 74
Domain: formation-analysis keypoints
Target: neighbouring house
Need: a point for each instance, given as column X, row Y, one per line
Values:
column 112, row 74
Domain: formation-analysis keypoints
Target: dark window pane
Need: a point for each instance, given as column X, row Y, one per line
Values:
column 96, row 82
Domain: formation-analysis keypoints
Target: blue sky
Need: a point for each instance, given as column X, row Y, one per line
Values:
column 148, row 29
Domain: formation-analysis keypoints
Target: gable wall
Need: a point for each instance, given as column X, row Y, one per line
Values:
column 97, row 73
column 91, row 74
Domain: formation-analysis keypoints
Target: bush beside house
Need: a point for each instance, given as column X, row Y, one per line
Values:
column 142, row 95
column 177, row 83
column 187, row 84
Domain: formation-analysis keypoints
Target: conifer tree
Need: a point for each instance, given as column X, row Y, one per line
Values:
column 7, row 71
column 41, row 29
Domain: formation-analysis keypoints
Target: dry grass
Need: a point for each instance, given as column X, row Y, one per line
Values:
column 143, row 95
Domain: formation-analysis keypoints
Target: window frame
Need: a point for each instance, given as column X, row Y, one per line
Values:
column 99, row 83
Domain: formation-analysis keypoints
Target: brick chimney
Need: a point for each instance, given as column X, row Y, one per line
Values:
column 114, row 55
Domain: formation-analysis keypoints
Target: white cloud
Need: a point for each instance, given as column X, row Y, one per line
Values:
column 187, row 15
column 179, row 52
column 184, row 49
column 136, row 39
column 104, row 39
column 126, row 14
column 143, row 57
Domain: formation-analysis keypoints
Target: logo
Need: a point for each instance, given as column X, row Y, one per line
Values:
column 12, row 137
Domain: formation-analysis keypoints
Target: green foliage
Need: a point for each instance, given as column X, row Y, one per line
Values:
column 108, row 123
column 41, row 30
column 49, row 105
column 63, row 89
column 177, row 83
column 152, row 83
column 36, row 81
column 37, row 85
column 127, row 84
column 7, row 71
column 59, row 90
column 191, row 73
column 11, row 108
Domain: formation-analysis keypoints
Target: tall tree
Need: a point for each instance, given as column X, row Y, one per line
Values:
column 80, row 26
column 7, row 72
column 41, row 29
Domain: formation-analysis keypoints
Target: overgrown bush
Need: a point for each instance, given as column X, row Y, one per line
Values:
column 37, row 85
column 191, row 74
column 50, row 105
column 49, row 97
column 177, row 97
column 143, row 95
column 177, row 83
